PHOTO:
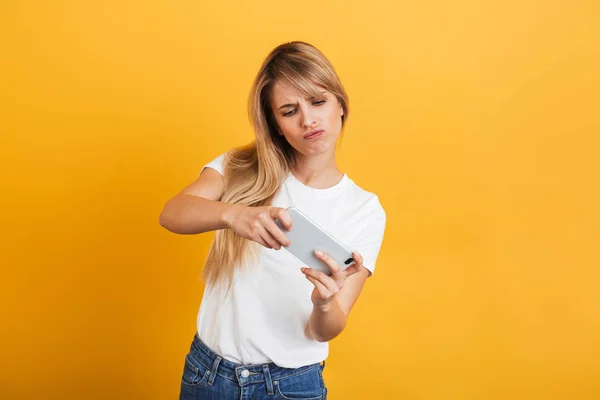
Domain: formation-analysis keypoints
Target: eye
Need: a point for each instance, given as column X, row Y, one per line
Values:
column 293, row 111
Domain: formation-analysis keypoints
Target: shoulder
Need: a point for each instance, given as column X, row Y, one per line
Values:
column 365, row 199
column 222, row 157
column 365, row 207
column 217, row 163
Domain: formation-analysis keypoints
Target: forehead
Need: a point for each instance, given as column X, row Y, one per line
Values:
column 282, row 92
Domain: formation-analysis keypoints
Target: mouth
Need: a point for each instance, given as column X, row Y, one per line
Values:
column 313, row 134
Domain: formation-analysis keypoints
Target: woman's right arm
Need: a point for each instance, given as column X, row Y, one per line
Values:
column 197, row 209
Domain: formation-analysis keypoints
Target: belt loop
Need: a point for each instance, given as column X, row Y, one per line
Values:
column 323, row 364
column 213, row 373
column 268, row 379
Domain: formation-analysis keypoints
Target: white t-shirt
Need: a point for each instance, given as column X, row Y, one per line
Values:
column 263, row 319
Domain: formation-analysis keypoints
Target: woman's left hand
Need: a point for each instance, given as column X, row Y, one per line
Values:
column 326, row 287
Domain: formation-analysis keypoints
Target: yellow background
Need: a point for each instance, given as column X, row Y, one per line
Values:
column 476, row 122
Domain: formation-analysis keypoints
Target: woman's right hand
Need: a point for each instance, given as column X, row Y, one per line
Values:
column 258, row 224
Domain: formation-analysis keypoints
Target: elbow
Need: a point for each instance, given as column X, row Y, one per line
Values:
column 326, row 338
column 162, row 220
column 322, row 336
column 165, row 219
column 330, row 336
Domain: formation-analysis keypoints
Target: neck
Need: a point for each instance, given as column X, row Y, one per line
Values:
column 317, row 172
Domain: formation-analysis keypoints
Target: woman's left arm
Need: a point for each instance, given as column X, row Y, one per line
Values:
column 333, row 296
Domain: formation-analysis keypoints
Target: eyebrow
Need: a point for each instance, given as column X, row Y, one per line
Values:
column 291, row 105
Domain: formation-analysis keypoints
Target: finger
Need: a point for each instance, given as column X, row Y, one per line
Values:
column 325, row 280
column 334, row 266
column 283, row 215
column 357, row 257
column 277, row 233
column 266, row 236
column 260, row 241
column 351, row 270
column 357, row 265
column 325, row 294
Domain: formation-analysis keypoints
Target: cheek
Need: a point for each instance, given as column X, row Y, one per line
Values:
column 289, row 128
column 285, row 125
column 280, row 121
column 336, row 116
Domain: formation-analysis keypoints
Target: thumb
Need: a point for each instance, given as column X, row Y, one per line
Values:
column 354, row 268
column 283, row 215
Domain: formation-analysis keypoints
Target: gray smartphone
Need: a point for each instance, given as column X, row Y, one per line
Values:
column 306, row 236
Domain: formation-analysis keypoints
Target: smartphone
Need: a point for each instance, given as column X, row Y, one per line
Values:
column 306, row 236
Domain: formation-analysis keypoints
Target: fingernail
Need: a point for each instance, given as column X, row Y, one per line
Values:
column 319, row 253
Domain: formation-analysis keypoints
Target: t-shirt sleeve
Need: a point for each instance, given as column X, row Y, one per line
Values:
column 371, row 237
column 216, row 164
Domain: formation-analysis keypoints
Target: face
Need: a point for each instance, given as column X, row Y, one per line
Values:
column 297, row 116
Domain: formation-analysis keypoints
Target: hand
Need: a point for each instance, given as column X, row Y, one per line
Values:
column 326, row 287
column 257, row 224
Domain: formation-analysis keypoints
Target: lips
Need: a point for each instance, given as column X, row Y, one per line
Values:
column 312, row 132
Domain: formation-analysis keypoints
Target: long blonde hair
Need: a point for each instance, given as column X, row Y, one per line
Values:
column 253, row 173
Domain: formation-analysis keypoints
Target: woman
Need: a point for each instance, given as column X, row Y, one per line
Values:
column 265, row 321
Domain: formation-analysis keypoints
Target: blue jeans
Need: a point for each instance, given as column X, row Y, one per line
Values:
column 208, row 376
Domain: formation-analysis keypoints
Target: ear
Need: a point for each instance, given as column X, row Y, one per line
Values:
column 342, row 109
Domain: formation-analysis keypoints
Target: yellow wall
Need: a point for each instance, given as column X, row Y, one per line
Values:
column 476, row 122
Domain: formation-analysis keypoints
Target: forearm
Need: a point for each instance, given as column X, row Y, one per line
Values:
column 187, row 214
column 327, row 322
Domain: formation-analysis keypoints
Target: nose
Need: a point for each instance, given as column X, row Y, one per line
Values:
column 308, row 118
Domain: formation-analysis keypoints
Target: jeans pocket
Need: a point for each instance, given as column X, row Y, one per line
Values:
column 194, row 372
column 304, row 386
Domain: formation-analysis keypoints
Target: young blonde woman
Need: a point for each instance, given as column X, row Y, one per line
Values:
column 265, row 320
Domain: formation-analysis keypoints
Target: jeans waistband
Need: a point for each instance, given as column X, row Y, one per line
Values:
column 241, row 373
